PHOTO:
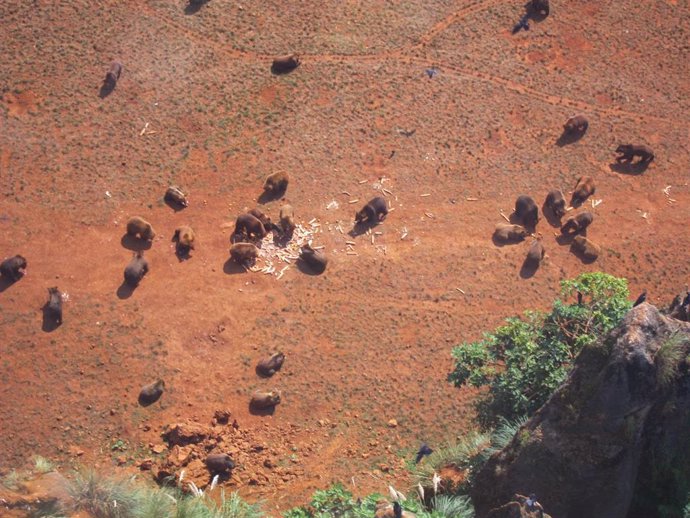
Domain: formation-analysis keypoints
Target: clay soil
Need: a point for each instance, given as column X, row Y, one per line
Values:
column 368, row 341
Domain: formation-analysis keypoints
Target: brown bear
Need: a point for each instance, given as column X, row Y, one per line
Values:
column 584, row 188
column 526, row 211
column 287, row 220
column 276, row 183
column 175, row 196
column 249, row 226
column 113, row 74
column 261, row 400
column 284, row 64
column 536, row 252
column 315, row 259
column 244, row 253
column 576, row 125
column 184, row 237
column 585, row 248
column 507, row 233
column 269, row 366
column 628, row 152
column 139, row 227
column 373, row 212
column 13, row 268
column 555, row 202
column 53, row 308
column 136, row 269
column 151, row 393
column 577, row 223
column 219, row 463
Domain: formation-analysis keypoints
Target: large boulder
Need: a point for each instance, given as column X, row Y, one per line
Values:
column 590, row 450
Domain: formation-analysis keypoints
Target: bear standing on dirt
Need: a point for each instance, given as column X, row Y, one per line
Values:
column 373, row 212
column 136, row 269
column 13, row 268
column 139, row 227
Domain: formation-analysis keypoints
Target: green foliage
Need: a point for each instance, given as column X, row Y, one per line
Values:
column 526, row 359
column 337, row 502
column 105, row 497
column 667, row 359
column 12, row 480
column 448, row 506
column 110, row 497
column 232, row 507
column 42, row 465
column 466, row 453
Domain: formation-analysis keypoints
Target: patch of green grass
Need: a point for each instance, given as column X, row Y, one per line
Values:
column 43, row 465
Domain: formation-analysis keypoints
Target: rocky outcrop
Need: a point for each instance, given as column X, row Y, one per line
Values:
column 590, row 450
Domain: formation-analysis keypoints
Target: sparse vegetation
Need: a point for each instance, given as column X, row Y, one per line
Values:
column 525, row 360
column 105, row 497
column 42, row 465
column 113, row 497
column 11, row 480
column 667, row 358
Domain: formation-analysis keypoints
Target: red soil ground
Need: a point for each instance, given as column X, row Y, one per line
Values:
column 368, row 341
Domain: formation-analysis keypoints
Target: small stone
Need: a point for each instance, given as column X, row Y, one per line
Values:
column 392, row 423
column 158, row 448
column 121, row 460
column 146, row 464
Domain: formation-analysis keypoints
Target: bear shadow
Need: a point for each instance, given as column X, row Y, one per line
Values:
column 232, row 267
column 253, row 410
column 550, row 217
column 106, row 89
column 305, row 268
column 49, row 323
column 177, row 207
column 6, row 282
column 631, row 168
column 581, row 256
column 362, row 228
column 125, row 291
column 134, row 244
column 529, row 268
column 269, row 196
column 569, row 137
column 193, row 8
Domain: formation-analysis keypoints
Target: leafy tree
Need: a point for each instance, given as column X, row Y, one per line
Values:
column 525, row 360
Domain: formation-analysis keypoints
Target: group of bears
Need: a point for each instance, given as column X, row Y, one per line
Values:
column 249, row 229
column 526, row 213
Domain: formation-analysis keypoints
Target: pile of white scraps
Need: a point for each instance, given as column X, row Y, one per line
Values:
column 277, row 258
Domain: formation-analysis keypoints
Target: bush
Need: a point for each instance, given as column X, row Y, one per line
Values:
column 525, row 360
column 337, row 502
column 111, row 497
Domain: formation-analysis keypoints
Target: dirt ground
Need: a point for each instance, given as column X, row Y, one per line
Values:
column 368, row 341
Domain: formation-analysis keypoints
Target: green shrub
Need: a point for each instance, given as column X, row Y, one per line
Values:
column 448, row 506
column 667, row 358
column 105, row 497
column 525, row 360
column 42, row 465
